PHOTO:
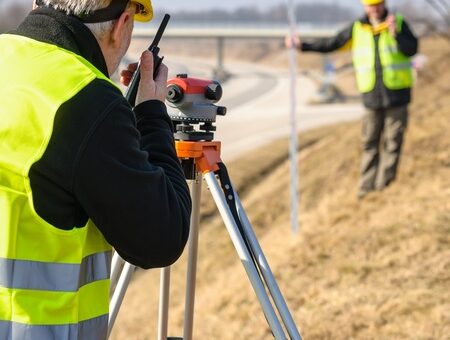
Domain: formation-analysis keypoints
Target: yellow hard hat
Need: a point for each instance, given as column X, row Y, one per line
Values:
column 372, row 2
column 145, row 10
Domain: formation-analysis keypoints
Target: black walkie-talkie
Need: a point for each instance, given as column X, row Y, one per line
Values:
column 134, row 83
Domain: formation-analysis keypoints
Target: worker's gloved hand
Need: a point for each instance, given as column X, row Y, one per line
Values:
column 290, row 41
column 149, row 88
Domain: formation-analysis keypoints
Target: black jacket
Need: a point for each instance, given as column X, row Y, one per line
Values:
column 380, row 97
column 107, row 162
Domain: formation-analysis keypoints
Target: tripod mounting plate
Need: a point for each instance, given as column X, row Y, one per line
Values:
column 205, row 154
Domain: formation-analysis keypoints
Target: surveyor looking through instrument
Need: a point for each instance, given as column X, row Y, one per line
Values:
column 382, row 46
column 81, row 171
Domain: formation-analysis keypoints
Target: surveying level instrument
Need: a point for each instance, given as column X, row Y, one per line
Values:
column 193, row 100
column 195, row 112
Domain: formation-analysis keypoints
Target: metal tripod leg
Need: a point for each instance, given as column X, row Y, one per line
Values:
column 164, row 293
column 244, row 255
column 190, row 276
column 254, row 248
column 121, row 279
column 116, row 268
column 119, row 294
column 192, row 259
column 266, row 272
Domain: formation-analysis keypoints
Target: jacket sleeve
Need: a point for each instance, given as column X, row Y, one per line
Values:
column 326, row 45
column 130, row 183
column 407, row 42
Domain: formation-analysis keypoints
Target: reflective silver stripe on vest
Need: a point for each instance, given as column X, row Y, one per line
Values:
column 400, row 66
column 93, row 329
column 60, row 277
column 390, row 49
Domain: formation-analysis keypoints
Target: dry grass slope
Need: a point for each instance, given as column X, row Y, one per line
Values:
column 374, row 269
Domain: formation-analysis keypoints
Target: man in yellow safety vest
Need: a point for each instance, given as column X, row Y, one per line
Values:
column 81, row 171
column 382, row 46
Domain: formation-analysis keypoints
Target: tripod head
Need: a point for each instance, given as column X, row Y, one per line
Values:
column 193, row 100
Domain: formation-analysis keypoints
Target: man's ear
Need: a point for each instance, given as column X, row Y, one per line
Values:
column 120, row 29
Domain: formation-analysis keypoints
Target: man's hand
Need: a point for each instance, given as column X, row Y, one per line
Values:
column 392, row 25
column 290, row 41
column 149, row 88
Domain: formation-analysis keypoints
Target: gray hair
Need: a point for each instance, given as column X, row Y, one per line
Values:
column 77, row 7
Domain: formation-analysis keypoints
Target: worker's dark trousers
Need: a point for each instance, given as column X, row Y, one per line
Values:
column 382, row 139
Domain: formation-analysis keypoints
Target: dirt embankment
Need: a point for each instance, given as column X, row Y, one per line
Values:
column 372, row 269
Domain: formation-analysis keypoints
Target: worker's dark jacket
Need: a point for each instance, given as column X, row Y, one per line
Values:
column 380, row 97
column 107, row 162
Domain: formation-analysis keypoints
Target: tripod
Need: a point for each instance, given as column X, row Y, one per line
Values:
column 200, row 159
column 204, row 159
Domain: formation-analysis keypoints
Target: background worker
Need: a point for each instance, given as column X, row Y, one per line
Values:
column 382, row 46
column 80, row 170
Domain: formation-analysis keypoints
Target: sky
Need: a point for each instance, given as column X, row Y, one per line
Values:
column 196, row 5
column 229, row 4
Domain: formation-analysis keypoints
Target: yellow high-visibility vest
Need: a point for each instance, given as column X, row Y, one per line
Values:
column 397, row 68
column 54, row 284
